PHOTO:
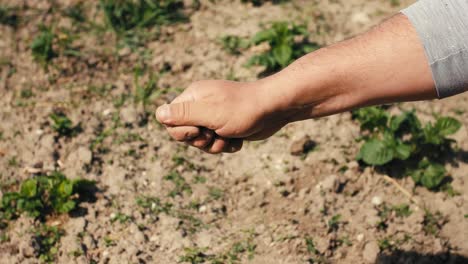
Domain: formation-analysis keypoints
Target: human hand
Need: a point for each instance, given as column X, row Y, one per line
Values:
column 217, row 116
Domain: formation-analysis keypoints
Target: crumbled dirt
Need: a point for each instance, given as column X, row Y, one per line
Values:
column 262, row 195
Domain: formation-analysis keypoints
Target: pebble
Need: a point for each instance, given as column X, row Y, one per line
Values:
column 360, row 237
column 370, row 252
column 106, row 112
column 377, row 200
column 330, row 183
column 85, row 156
column 302, row 146
column 129, row 115
column 202, row 209
column 360, row 18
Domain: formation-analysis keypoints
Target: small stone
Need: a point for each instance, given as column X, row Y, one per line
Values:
column 106, row 112
column 377, row 200
column 202, row 209
column 360, row 237
column 26, row 249
column 302, row 146
column 89, row 242
column 85, row 156
column 360, row 18
column 330, row 183
column 370, row 252
column 129, row 115
column 139, row 237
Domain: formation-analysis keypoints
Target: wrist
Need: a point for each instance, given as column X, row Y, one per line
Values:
column 315, row 85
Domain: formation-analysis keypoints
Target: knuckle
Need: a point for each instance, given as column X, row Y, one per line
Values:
column 182, row 111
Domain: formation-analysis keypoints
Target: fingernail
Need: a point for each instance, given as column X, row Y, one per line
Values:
column 163, row 113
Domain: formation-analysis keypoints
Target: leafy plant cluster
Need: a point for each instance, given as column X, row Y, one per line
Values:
column 46, row 240
column 127, row 15
column 403, row 142
column 287, row 42
column 44, row 196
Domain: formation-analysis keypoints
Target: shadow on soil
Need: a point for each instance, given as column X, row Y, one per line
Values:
column 411, row 257
column 89, row 194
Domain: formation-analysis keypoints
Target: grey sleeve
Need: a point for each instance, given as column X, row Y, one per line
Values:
column 442, row 26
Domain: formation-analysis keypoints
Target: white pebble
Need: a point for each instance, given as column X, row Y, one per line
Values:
column 377, row 200
column 360, row 237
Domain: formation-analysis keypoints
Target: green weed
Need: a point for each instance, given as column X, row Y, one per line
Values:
column 284, row 46
column 47, row 239
column 391, row 243
column 45, row 195
column 153, row 205
column 46, row 45
column 127, row 15
column 233, row 255
column 216, row 193
column 120, row 217
column 42, row 49
column 75, row 12
column 26, row 93
column 386, row 212
column 334, row 223
column 401, row 141
column 180, row 185
column 146, row 92
column 195, row 256
column 13, row 162
column 316, row 256
column 9, row 16
column 234, row 44
column 433, row 222
column 63, row 125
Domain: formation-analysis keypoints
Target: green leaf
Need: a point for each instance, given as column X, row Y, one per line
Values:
column 283, row 54
column 396, row 121
column 371, row 118
column 376, row 152
column 447, row 126
column 29, row 188
column 402, row 151
column 66, row 207
column 65, row 189
column 263, row 36
column 433, row 176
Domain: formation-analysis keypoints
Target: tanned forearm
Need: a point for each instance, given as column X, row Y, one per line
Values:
column 385, row 65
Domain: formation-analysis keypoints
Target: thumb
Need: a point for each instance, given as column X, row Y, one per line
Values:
column 187, row 113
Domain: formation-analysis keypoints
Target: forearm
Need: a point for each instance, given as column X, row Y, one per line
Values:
column 385, row 65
